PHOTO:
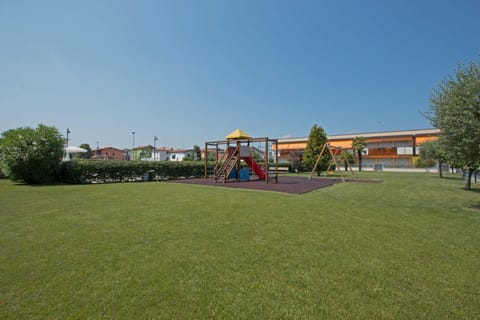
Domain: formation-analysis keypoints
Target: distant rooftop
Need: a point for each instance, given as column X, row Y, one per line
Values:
column 369, row 135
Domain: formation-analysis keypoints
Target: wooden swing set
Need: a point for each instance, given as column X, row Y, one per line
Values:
column 334, row 152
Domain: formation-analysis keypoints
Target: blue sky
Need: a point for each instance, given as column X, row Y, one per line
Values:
column 193, row 71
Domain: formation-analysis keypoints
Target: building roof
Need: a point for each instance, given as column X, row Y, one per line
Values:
column 143, row 147
column 238, row 134
column 102, row 148
column 385, row 134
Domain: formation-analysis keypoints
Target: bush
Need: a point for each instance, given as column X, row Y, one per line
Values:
column 87, row 171
column 31, row 155
column 427, row 163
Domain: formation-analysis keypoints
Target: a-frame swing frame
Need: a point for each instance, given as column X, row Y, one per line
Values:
column 334, row 158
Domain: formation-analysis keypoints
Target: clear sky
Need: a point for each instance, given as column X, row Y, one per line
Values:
column 193, row 71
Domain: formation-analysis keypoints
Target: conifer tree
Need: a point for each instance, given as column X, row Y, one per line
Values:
column 316, row 140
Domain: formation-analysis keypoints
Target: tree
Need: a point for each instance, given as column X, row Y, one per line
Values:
column 211, row 156
column 347, row 158
column 455, row 110
column 295, row 158
column 32, row 155
column 316, row 140
column 197, row 153
column 359, row 145
column 431, row 150
column 86, row 155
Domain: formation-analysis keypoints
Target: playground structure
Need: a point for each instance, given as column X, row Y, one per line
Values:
column 238, row 147
column 334, row 153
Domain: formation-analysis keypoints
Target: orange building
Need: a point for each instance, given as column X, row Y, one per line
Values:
column 393, row 149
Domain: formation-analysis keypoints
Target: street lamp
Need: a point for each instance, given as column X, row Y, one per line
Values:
column 68, row 132
column 133, row 144
column 154, row 147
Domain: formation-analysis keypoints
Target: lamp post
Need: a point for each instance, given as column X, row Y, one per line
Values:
column 133, row 144
column 68, row 132
column 154, row 147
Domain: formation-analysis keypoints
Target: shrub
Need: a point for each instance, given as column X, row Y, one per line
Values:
column 86, row 171
column 31, row 155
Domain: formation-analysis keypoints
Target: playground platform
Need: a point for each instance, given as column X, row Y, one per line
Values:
column 292, row 185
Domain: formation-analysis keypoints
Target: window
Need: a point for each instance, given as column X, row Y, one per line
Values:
column 405, row 150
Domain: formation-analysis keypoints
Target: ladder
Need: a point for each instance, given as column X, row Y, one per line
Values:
column 225, row 168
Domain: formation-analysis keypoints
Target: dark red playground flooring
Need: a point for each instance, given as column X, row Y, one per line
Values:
column 294, row 185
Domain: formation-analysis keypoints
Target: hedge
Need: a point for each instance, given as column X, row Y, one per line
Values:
column 91, row 171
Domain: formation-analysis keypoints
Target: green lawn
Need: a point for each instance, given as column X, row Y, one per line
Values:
column 408, row 248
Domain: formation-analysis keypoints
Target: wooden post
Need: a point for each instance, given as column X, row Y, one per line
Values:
column 248, row 166
column 206, row 160
column 276, row 161
column 237, row 165
column 351, row 170
column 216, row 156
column 318, row 160
column 266, row 161
column 334, row 157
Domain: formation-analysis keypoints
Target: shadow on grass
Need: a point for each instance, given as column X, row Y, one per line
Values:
column 475, row 206
column 452, row 178
column 476, row 190
column 24, row 184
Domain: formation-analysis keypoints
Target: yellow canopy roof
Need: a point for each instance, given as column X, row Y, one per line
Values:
column 238, row 134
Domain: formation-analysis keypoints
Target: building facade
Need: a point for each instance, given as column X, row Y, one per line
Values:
column 171, row 154
column 108, row 153
column 393, row 149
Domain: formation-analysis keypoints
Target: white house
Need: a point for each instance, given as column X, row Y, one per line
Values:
column 171, row 154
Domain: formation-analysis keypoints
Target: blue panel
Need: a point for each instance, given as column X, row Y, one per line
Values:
column 244, row 174
column 233, row 174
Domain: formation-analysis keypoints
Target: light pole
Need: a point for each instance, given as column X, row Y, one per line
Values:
column 68, row 132
column 154, row 147
column 133, row 144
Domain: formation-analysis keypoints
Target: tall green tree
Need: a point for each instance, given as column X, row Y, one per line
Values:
column 359, row 145
column 197, row 153
column 316, row 140
column 432, row 150
column 32, row 155
column 455, row 110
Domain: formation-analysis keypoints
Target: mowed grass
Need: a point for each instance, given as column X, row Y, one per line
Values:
column 408, row 248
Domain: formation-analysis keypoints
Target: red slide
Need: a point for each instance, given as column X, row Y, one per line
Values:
column 256, row 168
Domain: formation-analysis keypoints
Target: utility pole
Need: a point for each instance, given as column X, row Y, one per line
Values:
column 68, row 132
column 133, row 144
column 154, row 147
